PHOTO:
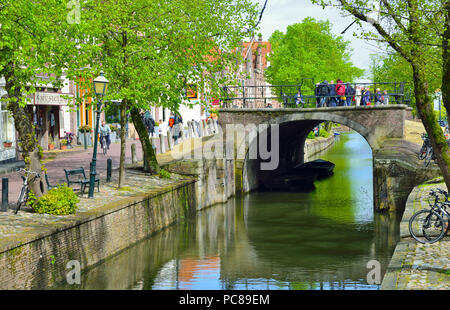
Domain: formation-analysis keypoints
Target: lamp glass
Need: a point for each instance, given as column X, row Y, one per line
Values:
column 100, row 85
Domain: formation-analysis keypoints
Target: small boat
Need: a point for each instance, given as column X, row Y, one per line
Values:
column 290, row 183
column 321, row 167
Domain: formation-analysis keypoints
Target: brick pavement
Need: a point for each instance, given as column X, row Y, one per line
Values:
column 416, row 266
column 75, row 158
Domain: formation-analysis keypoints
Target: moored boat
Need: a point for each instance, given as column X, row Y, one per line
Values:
column 323, row 168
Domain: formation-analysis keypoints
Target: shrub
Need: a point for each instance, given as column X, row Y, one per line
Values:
column 164, row 174
column 63, row 141
column 323, row 133
column 60, row 200
column 311, row 135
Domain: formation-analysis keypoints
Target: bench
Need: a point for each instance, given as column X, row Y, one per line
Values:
column 78, row 176
column 48, row 184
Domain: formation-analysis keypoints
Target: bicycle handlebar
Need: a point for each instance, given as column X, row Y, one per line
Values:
column 29, row 171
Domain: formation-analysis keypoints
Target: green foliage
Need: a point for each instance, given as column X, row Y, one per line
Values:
column 63, row 141
column 309, row 50
column 85, row 129
column 164, row 174
column 311, row 135
column 60, row 200
column 323, row 133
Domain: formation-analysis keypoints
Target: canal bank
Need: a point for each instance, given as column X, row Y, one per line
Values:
column 416, row 266
column 263, row 240
column 35, row 249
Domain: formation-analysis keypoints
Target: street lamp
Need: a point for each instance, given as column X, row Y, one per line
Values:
column 100, row 87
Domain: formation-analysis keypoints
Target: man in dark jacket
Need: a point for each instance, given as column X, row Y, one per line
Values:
column 322, row 93
column 332, row 94
column 350, row 92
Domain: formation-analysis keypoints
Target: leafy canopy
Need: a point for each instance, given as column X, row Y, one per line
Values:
column 309, row 50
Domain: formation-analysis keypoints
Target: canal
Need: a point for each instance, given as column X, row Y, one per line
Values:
column 318, row 240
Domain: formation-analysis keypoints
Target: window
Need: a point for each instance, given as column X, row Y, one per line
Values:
column 6, row 124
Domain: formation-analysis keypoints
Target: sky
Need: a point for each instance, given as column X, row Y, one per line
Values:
column 281, row 13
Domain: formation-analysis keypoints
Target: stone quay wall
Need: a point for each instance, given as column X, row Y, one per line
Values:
column 42, row 260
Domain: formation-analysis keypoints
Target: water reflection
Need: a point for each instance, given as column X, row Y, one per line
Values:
column 319, row 240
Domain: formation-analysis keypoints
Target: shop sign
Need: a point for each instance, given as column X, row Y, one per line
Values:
column 55, row 99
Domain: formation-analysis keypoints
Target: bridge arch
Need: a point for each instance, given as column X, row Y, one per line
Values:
column 374, row 123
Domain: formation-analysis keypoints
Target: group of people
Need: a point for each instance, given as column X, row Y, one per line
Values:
column 344, row 94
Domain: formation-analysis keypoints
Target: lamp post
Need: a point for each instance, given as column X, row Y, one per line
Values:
column 100, row 87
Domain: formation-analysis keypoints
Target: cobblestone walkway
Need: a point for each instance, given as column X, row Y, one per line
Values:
column 416, row 266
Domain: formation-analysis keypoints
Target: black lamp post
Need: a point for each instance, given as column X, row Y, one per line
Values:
column 100, row 87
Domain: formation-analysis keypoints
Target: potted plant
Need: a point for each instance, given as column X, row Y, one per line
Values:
column 7, row 143
column 85, row 134
column 51, row 144
column 113, row 135
column 63, row 144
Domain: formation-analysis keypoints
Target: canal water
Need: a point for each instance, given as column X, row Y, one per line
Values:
column 319, row 240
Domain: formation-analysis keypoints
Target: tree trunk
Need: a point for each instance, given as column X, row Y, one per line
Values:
column 28, row 143
column 446, row 60
column 123, row 124
column 434, row 130
column 150, row 162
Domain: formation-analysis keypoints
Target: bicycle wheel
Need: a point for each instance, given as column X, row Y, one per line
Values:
column 21, row 200
column 428, row 157
column 423, row 153
column 427, row 226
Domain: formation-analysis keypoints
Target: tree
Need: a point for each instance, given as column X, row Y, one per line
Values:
column 414, row 29
column 31, row 47
column 393, row 67
column 309, row 50
column 150, row 50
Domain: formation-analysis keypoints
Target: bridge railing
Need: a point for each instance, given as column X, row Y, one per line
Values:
column 286, row 95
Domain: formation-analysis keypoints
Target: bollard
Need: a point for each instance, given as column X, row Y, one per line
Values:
column 108, row 169
column 162, row 146
column 169, row 140
column 4, row 195
column 133, row 153
column 85, row 141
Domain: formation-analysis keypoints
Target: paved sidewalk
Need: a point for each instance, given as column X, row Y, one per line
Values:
column 416, row 266
column 56, row 161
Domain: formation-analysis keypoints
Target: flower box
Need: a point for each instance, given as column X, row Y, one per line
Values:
column 7, row 144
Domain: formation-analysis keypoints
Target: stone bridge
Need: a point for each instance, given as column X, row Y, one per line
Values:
column 377, row 124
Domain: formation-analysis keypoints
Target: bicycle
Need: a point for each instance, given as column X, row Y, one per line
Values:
column 103, row 144
column 428, row 225
column 426, row 151
column 25, row 191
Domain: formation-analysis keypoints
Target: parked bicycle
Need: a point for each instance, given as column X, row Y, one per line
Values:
column 430, row 225
column 426, row 152
column 25, row 191
column 69, row 136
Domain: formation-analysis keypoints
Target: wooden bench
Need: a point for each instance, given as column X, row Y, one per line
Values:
column 78, row 176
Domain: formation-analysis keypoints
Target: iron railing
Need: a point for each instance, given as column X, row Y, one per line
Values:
column 285, row 95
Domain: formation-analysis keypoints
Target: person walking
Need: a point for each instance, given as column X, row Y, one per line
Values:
column 298, row 98
column 349, row 94
column 323, row 92
column 378, row 99
column 105, row 132
column 340, row 91
column 332, row 94
column 366, row 96
column 358, row 95
column 385, row 97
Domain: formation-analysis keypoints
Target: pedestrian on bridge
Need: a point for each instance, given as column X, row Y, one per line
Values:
column 322, row 93
column 340, row 91
column 332, row 94
column 298, row 98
